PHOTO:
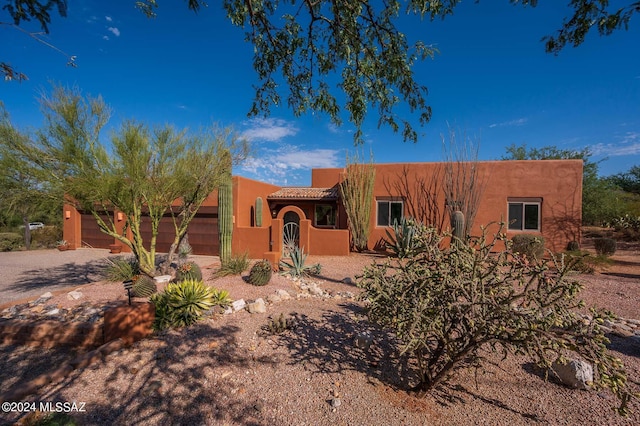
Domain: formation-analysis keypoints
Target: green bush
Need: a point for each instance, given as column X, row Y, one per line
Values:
column 46, row 237
column 260, row 273
column 121, row 268
column 143, row 286
column 188, row 271
column 10, row 241
column 235, row 265
column 605, row 246
column 529, row 245
column 445, row 305
column 183, row 303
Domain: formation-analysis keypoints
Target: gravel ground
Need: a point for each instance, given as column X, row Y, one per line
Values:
column 228, row 371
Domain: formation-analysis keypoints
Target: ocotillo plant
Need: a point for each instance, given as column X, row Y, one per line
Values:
column 259, row 212
column 225, row 219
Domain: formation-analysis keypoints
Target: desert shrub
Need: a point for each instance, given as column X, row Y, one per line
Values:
column 143, row 286
column 235, row 265
column 445, row 304
column 605, row 246
column 188, row 271
column 260, row 273
column 573, row 246
column 296, row 267
column 45, row 237
column 402, row 241
column 121, row 268
column 10, row 241
column 625, row 222
column 182, row 304
column 529, row 245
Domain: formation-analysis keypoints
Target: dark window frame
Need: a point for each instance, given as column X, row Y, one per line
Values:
column 519, row 207
column 389, row 216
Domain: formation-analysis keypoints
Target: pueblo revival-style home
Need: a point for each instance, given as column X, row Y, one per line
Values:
column 536, row 197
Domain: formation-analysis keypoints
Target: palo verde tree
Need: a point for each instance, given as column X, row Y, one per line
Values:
column 445, row 303
column 304, row 43
column 356, row 190
column 147, row 173
column 23, row 190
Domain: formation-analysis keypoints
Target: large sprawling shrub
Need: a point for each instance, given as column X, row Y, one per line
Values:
column 445, row 303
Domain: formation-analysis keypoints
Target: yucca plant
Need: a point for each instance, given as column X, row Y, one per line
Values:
column 235, row 265
column 121, row 269
column 183, row 303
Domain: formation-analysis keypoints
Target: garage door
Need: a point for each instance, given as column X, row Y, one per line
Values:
column 91, row 235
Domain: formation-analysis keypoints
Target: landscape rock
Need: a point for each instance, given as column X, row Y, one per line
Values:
column 162, row 279
column 575, row 374
column 273, row 298
column 283, row 294
column 74, row 295
column 257, row 307
column 363, row 340
column 238, row 305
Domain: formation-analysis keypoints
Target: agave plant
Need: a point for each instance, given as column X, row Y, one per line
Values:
column 182, row 304
column 296, row 267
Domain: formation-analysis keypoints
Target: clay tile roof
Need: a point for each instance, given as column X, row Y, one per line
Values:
column 305, row 193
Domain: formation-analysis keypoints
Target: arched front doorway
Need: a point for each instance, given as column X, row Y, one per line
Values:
column 290, row 233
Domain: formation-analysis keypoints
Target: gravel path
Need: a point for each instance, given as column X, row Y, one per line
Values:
column 28, row 274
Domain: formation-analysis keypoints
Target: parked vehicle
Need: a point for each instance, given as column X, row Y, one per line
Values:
column 36, row 225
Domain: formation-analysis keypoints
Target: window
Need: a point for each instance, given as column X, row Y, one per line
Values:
column 325, row 215
column 524, row 216
column 389, row 212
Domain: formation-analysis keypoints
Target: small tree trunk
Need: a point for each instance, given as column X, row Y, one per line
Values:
column 27, row 233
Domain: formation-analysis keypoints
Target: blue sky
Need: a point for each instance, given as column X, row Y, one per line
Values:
column 491, row 80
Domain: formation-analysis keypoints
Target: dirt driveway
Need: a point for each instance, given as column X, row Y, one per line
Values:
column 28, row 274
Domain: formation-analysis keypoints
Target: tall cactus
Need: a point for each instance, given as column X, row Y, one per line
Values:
column 259, row 212
column 457, row 225
column 225, row 218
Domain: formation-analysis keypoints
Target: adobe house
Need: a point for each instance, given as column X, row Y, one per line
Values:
column 539, row 197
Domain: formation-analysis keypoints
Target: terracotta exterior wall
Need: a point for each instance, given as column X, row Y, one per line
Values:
column 245, row 192
column 555, row 184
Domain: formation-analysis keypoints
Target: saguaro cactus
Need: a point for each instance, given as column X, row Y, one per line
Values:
column 225, row 219
column 457, row 225
column 259, row 212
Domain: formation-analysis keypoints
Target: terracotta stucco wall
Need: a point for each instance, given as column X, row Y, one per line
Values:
column 245, row 192
column 557, row 184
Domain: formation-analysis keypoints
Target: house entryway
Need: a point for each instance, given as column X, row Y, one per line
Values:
column 290, row 233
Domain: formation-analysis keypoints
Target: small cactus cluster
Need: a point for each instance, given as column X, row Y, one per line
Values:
column 260, row 273
column 143, row 286
column 279, row 325
column 188, row 270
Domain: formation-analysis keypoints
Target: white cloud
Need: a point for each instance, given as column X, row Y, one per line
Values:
column 108, row 18
column 284, row 165
column 268, row 129
column 115, row 31
column 627, row 144
column 105, row 37
column 517, row 122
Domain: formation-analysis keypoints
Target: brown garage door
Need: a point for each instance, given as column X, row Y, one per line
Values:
column 203, row 233
column 90, row 233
